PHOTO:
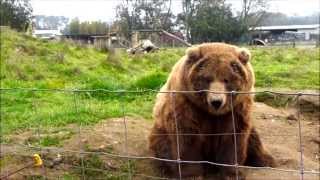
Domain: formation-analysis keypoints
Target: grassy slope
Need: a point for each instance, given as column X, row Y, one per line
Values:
column 27, row 62
column 289, row 68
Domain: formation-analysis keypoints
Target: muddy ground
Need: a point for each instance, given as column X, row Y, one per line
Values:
column 62, row 159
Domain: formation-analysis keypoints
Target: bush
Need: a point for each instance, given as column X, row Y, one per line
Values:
column 152, row 80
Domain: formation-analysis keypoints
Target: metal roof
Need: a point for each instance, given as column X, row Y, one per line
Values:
column 46, row 31
column 286, row 27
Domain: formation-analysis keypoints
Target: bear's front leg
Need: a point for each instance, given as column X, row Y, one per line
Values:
column 257, row 156
column 228, row 156
column 190, row 149
column 189, row 171
column 165, row 147
column 159, row 146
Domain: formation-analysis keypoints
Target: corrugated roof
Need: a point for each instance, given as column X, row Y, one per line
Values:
column 286, row 27
column 46, row 31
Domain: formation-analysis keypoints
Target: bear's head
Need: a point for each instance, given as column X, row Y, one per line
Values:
column 220, row 68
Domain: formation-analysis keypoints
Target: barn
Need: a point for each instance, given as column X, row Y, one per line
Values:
column 286, row 32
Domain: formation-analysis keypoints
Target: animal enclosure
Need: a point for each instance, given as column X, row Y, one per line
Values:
column 159, row 90
column 117, row 148
column 68, row 104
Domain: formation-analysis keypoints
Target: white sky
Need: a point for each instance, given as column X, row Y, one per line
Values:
column 89, row 10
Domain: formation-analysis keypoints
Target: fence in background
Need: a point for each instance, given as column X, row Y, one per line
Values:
column 126, row 156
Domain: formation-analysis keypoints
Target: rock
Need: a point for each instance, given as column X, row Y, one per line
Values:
column 310, row 124
column 56, row 161
column 292, row 117
column 264, row 116
column 109, row 165
column 309, row 103
column 101, row 148
column 270, row 116
column 84, row 140
column 145, row 46
column 288, row 161
column 316, row 140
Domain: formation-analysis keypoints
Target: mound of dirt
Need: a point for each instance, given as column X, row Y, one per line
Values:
column 278, row 129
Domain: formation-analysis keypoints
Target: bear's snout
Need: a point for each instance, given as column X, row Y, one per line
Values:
column 216, row 103
column 217, row 98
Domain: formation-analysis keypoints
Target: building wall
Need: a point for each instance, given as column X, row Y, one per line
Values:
column 309, row 32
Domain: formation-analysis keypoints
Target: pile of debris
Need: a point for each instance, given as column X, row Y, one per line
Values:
column 146, row 46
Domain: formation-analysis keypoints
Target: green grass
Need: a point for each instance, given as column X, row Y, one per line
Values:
column 94, row 166
column 289, row 68
column 30, row 63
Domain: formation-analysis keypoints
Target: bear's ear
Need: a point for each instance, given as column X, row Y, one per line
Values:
column 193, row 53
column 244, row 55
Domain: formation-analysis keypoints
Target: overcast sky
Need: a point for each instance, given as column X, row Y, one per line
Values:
column 89, row 10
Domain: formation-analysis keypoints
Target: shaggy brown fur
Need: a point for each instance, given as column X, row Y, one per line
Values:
column 216, row 67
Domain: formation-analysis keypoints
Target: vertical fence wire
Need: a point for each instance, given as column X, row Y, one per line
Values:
column 300, row 138
column 63, row 154
column 35, row 107
column 173, row 98
column 76, row 111
column 122, row 106
column 1, row 136
column 1, row 133
column 83, row 174
column 234, row 135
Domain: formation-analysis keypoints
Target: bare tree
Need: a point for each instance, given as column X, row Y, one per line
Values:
column 145, row 14
column 253, row 11
column 189, row 8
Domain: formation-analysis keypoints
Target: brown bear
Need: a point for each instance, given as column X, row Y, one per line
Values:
column 205, row 117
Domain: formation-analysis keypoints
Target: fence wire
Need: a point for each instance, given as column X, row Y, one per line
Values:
column 130, row 174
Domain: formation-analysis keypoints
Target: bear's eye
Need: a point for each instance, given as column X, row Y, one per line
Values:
column 226, row 81
column 206, row 79
column 201, row 66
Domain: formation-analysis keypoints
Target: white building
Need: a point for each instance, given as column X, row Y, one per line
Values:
column 46, row 34
column 306, row 30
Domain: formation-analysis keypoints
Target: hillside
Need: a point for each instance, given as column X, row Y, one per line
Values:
column 31, row 63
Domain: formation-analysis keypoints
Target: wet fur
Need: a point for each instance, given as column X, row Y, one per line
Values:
column 193, row 118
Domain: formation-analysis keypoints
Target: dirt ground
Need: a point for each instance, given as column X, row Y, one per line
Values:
column 278, row 129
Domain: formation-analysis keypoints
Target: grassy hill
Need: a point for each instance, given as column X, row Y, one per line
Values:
column 31, row 63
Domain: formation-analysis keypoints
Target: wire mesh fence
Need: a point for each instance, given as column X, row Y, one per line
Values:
column 41, row 111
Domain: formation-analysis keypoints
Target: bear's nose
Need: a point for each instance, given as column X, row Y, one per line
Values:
column 216, row 103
